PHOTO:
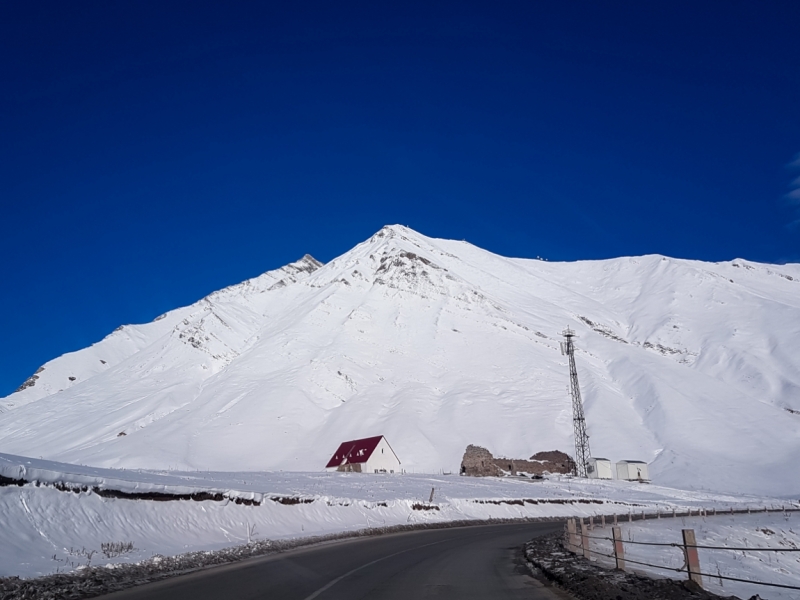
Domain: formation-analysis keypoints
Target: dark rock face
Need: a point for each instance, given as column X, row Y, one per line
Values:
column 31, row 381
column 479, row 462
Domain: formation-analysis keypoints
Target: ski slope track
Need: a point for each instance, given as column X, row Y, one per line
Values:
column 437, row 344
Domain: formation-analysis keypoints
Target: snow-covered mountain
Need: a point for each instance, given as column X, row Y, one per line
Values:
column 437, row 344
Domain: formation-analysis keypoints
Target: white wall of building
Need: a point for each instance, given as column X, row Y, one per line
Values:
column 632, row 471
column 383, row 458
column 602, row 469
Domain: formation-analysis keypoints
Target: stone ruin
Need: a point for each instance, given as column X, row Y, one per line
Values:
column 479, row 462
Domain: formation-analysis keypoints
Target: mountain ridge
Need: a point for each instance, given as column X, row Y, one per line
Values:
column 437, row 344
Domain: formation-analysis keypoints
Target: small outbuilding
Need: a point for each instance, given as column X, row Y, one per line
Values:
column 632, row 470
column 600, row 468
column 368, row 455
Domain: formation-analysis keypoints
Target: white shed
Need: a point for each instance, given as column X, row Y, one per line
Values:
column 632, row 470
column 368, row 455
column 600, row 468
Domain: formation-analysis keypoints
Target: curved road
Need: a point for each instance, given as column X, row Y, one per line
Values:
column 460, row 563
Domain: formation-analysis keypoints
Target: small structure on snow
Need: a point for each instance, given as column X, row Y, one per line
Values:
column 600, row 468
column 368, row 455
column 479, row 462
column 632, row 470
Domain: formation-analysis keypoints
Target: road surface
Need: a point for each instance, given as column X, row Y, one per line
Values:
column 460, row 563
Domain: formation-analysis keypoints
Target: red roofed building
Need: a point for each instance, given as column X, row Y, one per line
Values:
column 370, row 455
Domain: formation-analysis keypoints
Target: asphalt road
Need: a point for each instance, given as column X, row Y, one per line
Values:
column 461, row 563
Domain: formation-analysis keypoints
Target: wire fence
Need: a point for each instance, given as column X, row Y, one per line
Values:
column 578, row 541
column 699, row 547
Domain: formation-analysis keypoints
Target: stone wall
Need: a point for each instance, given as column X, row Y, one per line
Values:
column 555, row 461
column 479, row 462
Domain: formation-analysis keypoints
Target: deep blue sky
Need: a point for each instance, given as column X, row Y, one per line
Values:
column 152, row 152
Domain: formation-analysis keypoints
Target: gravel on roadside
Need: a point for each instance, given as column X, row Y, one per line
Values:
column 548, row 559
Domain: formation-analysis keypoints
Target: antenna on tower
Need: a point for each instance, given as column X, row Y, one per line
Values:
column 578, row 421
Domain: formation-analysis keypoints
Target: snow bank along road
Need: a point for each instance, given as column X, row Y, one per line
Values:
column 56, row 517
column 470, row 562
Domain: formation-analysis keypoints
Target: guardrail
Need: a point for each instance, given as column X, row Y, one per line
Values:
column 577, row 539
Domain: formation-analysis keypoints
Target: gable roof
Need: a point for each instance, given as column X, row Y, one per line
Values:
column 354, row 451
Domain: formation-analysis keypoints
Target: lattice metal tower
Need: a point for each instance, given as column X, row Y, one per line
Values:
column 582, row 453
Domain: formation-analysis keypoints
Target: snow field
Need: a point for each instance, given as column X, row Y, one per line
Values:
column 752, row 531
column 47, row 530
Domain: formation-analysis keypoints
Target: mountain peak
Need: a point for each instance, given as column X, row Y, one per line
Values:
column 307, row 264
column 438, row 344
column 388, row 232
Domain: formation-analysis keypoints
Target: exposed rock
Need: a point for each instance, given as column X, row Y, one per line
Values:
column 307, row 264
column 30, row 381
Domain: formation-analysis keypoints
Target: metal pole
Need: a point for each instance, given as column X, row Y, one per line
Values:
column 582, row 452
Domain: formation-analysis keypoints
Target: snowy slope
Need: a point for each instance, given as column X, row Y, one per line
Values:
column 437, row 344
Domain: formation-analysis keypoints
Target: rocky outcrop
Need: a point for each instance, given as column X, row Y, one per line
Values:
column 479, row 462
column 31, row 381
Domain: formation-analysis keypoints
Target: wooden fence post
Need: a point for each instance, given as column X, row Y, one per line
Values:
column 615, row 519
column 591, row 523
column 692, row 557
column 619, row 550
column 585, row 540
column 603, row 521
column 572, row 536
